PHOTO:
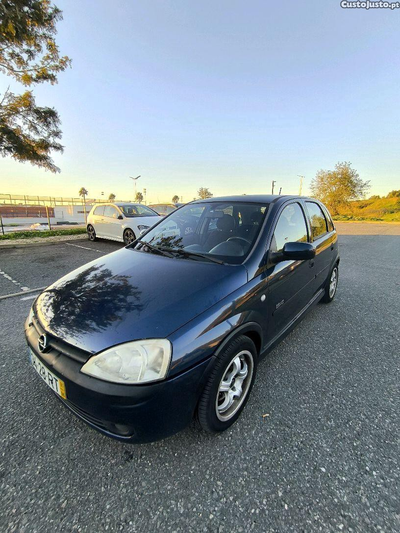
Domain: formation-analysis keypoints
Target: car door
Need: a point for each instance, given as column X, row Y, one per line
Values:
column 112, row 225
column 290, row 286
column 324, row 238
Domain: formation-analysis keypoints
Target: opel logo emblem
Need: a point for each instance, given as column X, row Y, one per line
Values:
column 42, row 343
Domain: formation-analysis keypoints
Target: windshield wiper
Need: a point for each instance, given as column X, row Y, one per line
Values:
column 188, row 253
column 156, row 249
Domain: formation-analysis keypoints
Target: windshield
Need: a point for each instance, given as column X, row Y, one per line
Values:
column 135, row 210
column 220, row 230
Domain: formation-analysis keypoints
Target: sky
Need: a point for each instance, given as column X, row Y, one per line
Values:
column 228, row 95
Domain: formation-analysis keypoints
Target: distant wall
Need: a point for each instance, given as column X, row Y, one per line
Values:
column 15, row 214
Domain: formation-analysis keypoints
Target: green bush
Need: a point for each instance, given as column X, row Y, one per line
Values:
column 41, row 234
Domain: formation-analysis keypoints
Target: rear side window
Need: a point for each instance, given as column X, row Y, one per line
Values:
column 291, row 227
column 317, row 219
column 99, row 211
column 328, row 217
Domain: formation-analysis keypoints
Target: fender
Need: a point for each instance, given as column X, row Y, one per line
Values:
column 240, row 330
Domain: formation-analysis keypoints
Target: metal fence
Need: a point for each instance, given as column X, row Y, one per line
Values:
column 50, row 201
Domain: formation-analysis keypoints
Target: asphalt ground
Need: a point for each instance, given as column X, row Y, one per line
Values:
column 326, row 458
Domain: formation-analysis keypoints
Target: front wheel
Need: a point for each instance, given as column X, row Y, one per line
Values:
column 129, row 236
column 91, row 233
column 331, row 285
column 229, row 386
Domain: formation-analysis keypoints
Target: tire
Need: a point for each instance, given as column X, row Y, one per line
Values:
column 215, row 412
column 91, row 233
column 129, row 236
column 331, row 285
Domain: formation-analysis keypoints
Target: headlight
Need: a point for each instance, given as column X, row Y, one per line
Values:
column 142, row 227
column 132, row 362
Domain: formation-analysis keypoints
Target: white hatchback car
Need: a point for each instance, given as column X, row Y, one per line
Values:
column 120, row 221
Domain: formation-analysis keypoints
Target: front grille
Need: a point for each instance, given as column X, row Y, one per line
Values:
column 60, row 346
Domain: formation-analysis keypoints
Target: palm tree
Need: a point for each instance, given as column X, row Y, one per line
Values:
column 175, row 199
column 111, row 197
column 139, row 197
column 83, row 192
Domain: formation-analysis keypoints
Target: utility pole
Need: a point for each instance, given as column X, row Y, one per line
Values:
column 280, row 190
column 273, row 186
column 134, row 181
column 301, row 183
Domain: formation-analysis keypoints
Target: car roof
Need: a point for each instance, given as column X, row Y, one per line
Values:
column 170, row 205
column 249, row 198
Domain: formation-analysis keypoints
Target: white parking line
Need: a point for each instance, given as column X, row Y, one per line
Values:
column 9, row 278
column 29, row 297
column 85, row 248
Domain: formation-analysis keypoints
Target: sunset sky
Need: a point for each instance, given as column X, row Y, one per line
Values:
column 227, row 95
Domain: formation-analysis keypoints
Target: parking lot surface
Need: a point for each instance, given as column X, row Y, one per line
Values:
column 326, row 458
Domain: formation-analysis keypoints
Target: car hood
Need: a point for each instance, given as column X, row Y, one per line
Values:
column 130, row 295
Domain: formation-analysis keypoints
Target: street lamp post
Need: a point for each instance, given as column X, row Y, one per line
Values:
column 301, row 183
column 134, row 181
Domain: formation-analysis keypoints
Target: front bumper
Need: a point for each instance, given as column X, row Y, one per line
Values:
column 131, row 413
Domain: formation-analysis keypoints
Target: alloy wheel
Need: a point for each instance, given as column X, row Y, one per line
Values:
column 234, row 385
column 91, row 233
column 129, row 236
column 333, row 283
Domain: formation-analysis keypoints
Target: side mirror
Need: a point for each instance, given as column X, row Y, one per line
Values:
column 295, row 251
column 120, row 217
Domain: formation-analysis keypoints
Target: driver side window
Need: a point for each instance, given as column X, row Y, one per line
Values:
column 110, row 212
column 291, row 227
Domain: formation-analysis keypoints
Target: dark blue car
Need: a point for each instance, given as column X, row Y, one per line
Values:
column 172, row 327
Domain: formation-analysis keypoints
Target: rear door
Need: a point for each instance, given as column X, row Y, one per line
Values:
column 289, row 282
column 324, row 239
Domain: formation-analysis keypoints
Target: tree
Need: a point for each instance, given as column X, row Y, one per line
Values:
column 111, row 197
column 175, row 199
column 394, row 194
column 139, row 197
column 29, row 54
column 83, row 192
column 204, row 193
column 337, row 187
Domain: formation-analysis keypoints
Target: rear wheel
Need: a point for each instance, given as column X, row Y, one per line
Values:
column 331, row 285
column 129, row 236
column 91, row 233
column 229, row 386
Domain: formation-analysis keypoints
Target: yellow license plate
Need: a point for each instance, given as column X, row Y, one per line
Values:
column 55, row 383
